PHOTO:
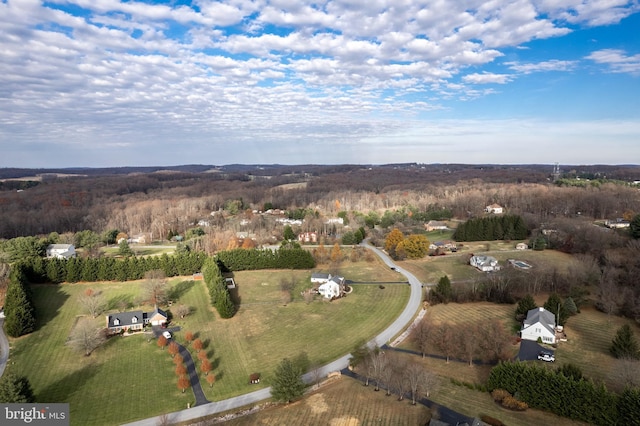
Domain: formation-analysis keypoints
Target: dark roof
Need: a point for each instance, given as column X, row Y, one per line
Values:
column 126, row 318
column 156, row 311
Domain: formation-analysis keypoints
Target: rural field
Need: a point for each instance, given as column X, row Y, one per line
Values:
column 130, row 378
column 343, row 401
column 455, row 265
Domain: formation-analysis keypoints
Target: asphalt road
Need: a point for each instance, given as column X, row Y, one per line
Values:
column 405, row 318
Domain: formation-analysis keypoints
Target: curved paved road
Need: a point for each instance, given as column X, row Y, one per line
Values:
column 405, row 318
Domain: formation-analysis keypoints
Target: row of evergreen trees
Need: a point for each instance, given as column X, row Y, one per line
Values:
column 18, row 307
column 218, row 291
column 252, row 259
column 39, row 270
column 566, row 395
column 506, row 227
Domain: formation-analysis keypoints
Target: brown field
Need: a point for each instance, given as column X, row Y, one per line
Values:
column 344, row 402
column 455, row 265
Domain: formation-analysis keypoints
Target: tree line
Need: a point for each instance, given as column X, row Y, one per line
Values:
column 567, row 395
column 503, row 227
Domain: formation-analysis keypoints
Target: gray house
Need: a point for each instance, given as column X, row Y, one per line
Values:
column 134, row 320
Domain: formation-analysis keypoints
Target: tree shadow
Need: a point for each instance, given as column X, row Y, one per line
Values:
column 47, row 301
column 61, row 390
column 179, row 290
column 121, row 302
column 215, row 363
column 235, row 296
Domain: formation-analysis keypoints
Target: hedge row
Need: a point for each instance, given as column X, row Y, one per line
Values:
column 218, row 291
column 110, row 269
column 20, row 316
column 252, row 259
column 507, row 227
column 550, row 390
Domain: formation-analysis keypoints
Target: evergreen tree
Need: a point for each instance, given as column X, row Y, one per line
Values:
column 288, row 234
column 15, row 389
column 287, row 383
column 443, row 293
column 524, row 305
column 20, row 316
column 634, row 227
column 554, row 305
column 624, row 344
column 124, row 250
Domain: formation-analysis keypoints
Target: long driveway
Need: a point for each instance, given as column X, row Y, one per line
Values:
column 405, row 318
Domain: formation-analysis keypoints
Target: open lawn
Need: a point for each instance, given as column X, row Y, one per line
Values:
column 589, row 336
column 130, row 378
column 345, row 401
column 455, row 265
column 265, row 330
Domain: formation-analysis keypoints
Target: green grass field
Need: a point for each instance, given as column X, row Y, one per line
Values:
column 130, row 378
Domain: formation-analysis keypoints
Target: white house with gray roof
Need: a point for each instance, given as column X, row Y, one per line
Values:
column 539, row 324
column 61, row 251
column 485, row 263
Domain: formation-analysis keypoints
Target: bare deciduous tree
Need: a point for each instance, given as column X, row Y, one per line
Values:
column 494, row 340
column 93, row 301
column 468, row 340
column 421, row 334
column 86, row 336
column 444, row 340
column 155, row 287
column 183, row 310
column 399, row 381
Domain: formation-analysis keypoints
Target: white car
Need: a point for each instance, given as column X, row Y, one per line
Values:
column 546, row 357
column 166, row 334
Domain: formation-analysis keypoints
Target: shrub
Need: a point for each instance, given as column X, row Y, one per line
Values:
column 499, row 395
column 491, row 420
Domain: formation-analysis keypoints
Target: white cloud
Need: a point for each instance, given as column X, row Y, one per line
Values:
column 544, row 66
column 617, row 60
column 487, row 78
column 130, row 73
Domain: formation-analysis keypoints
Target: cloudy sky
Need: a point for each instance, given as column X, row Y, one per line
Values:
column 123, row 83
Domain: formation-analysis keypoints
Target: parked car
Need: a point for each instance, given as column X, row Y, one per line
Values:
column 166, row 334
column 546, row 357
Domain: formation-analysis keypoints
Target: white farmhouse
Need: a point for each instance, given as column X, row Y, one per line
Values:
column 61, row 251
column 494, row 208
column 485, row 263
column 539, row 324
column 330, row 287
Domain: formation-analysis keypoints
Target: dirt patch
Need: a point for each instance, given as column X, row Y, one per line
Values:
column 345, row 421
column 317, row 404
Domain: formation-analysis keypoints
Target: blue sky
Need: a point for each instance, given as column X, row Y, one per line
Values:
column 123, row 83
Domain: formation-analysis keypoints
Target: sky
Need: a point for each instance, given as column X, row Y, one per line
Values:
column 103, row 83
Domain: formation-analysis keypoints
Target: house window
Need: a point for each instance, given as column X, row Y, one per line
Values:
column 134, row 320
column 116, row 321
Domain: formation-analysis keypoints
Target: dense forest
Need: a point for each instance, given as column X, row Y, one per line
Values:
column 171, row 200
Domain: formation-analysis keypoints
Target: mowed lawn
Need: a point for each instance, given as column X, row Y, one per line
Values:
column 265, row 330
column 130, row 378
column 589, row 338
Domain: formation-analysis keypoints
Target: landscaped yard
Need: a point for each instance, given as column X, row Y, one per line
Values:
column 130, row 378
